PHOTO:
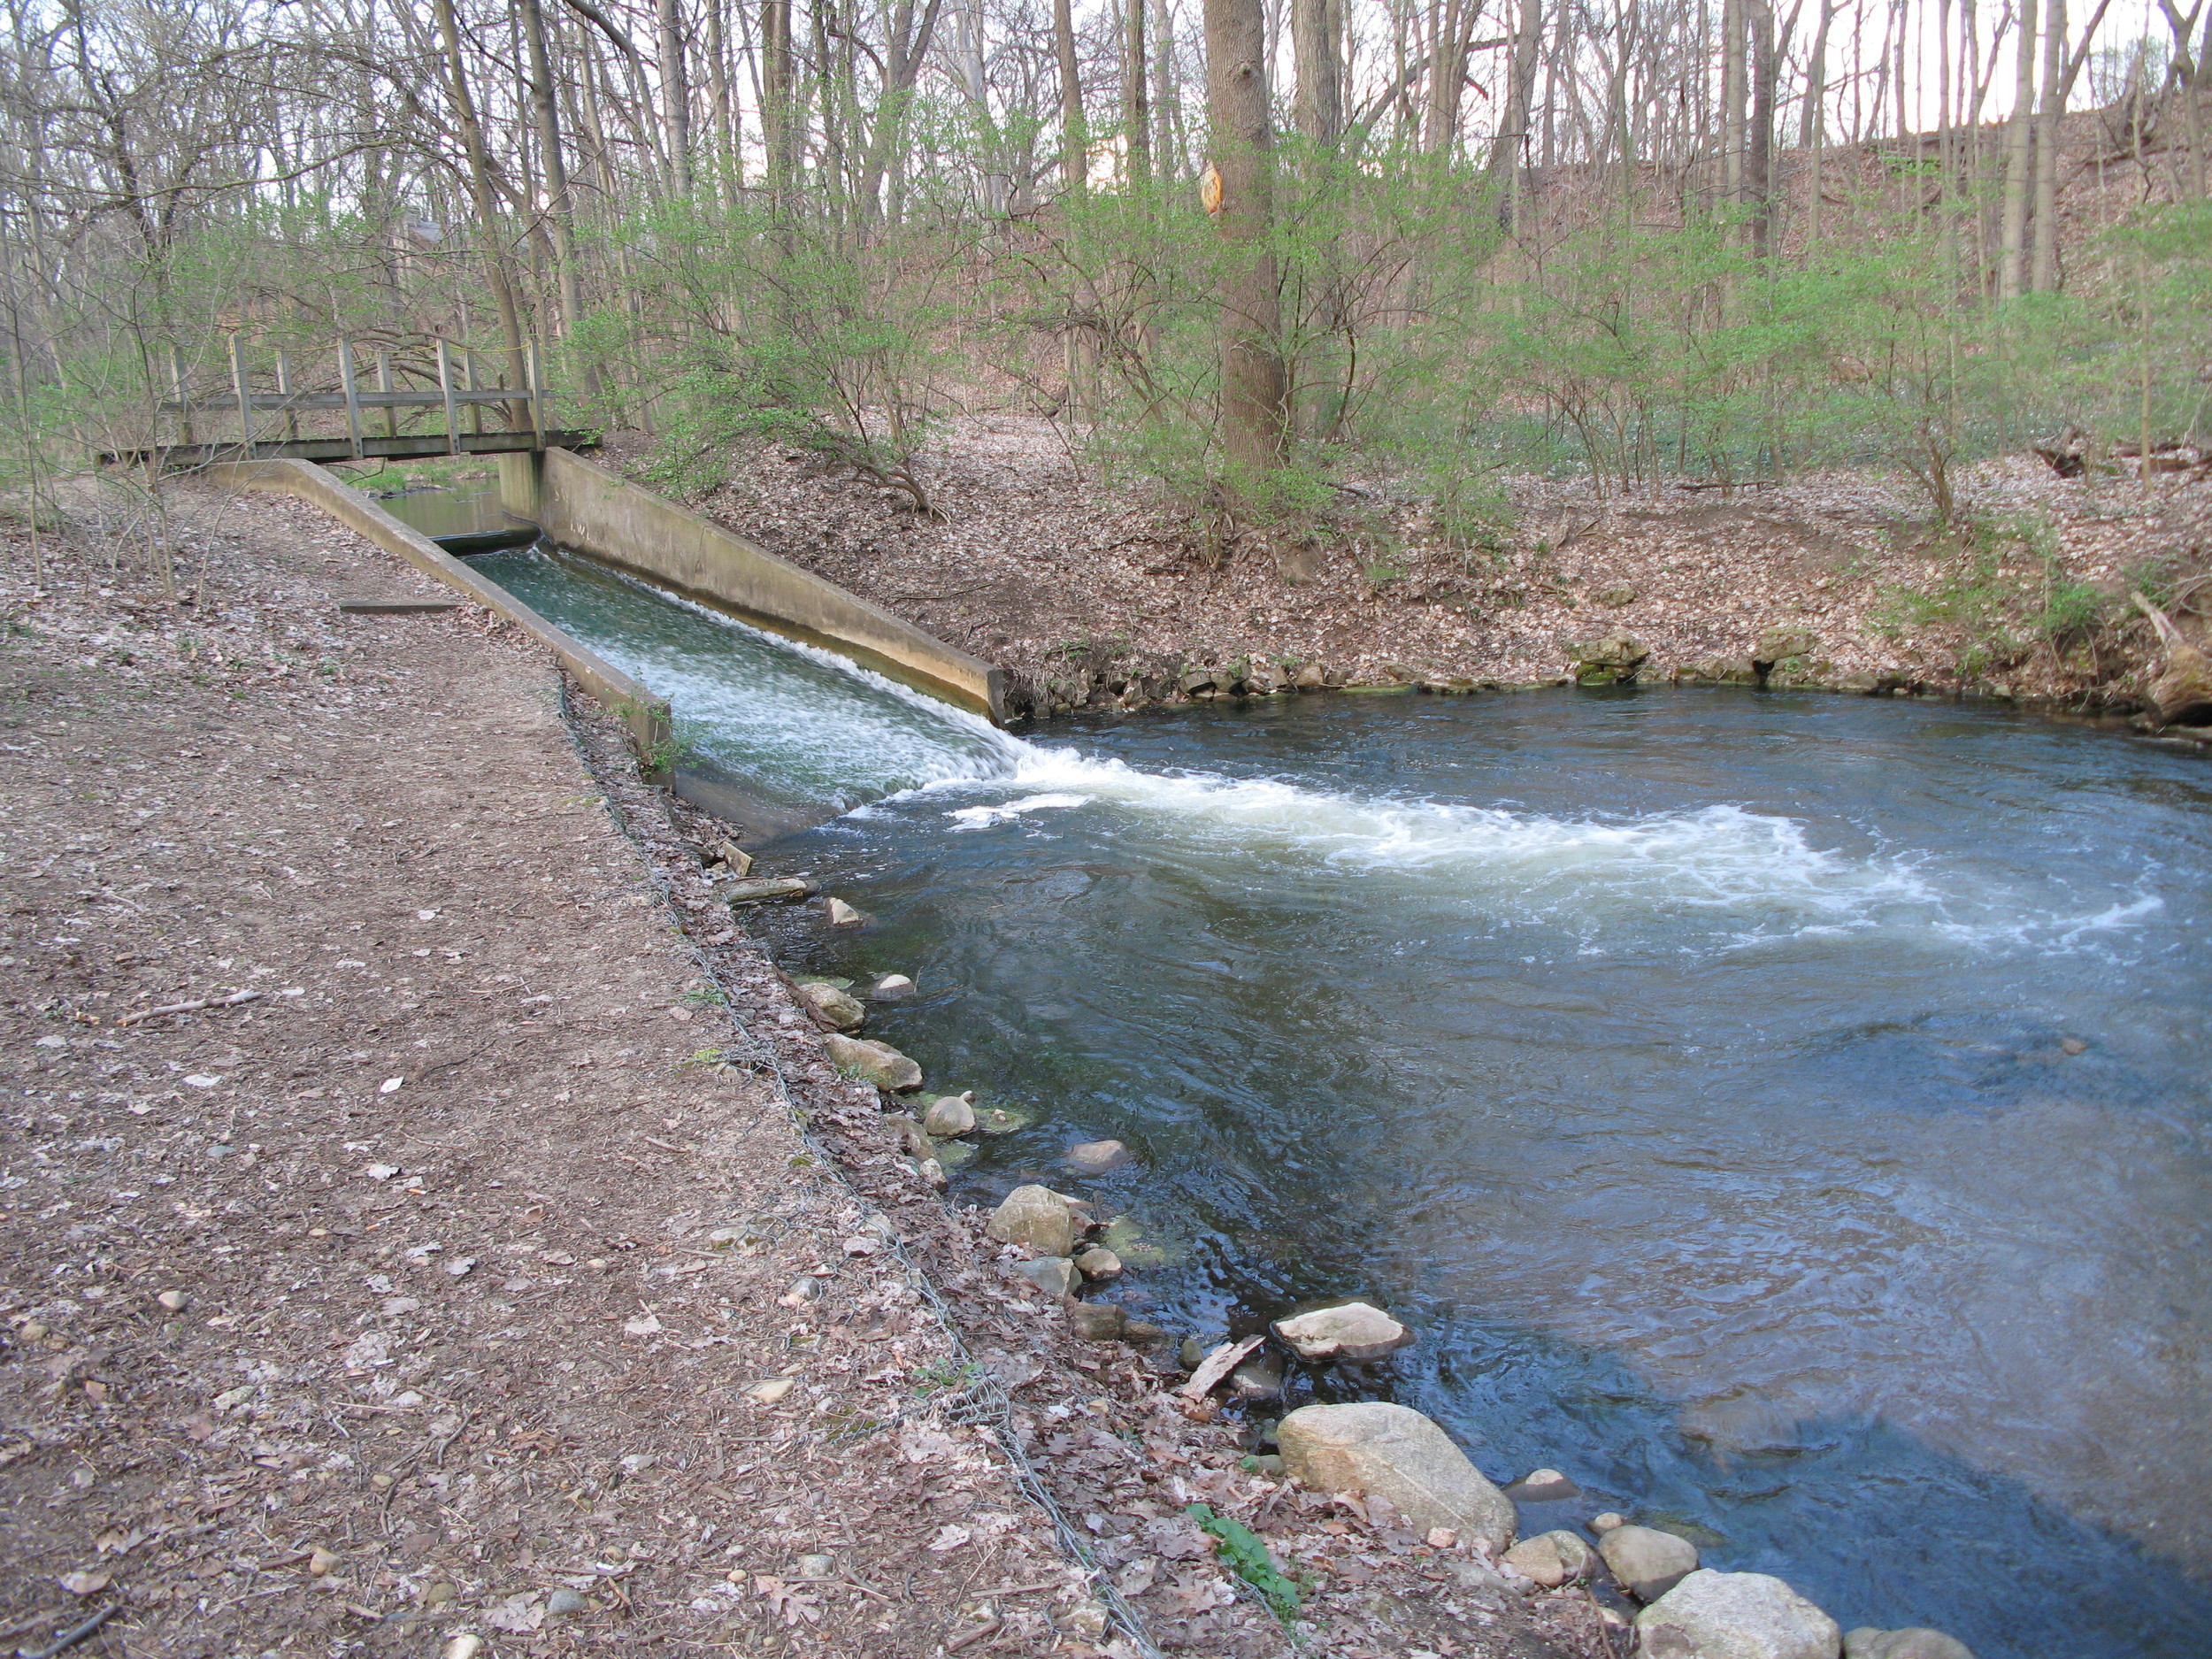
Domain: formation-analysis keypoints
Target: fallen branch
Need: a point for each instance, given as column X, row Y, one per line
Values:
column 192, row 1007
column 1217, row 1366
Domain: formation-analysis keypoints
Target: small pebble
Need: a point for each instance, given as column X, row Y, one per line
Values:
column 1610, row 1521
column 817, row 1566
column 320, row 1561
column 2074, row 1045
column 565, row 1603
column 175, row 1300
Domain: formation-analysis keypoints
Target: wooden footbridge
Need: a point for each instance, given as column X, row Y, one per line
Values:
column 270, row 408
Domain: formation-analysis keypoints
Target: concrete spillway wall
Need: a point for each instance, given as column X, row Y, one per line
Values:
column 588, row 508
column 645, row 715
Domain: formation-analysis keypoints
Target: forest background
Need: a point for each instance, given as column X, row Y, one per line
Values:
column 1247, row 251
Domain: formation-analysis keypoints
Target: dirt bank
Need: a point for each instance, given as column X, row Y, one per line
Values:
column 1092, row 593
column 416, row 1218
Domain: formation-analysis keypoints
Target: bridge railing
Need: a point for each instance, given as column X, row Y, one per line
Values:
column 373, row 382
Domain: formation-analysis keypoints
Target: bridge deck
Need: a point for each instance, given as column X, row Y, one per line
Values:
column 415, row 446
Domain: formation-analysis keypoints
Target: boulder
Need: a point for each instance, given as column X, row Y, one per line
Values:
column 892, row 987
column 833, row 1005
column 1054, row 1275
column 1919, row 1642
column 1646, row 1561
column 1611, row 659
column 1376, row 1449
column 949, row 1115
column 1353, row 1332
column 1095, row 1157
column 1195, row 679
column 1718, row 670
column 1037, row 1217
column 1097, row 1321
column 1779, row 643
column 1142, row 1334
column 1618, row 597
column 1263, row 679
column 841, row 914
column 876, row 1063
column 1735, row 1615
column 1309, row 677
column 1551, row 1559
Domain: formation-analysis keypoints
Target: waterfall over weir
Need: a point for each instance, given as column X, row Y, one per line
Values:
column 1785, row 1114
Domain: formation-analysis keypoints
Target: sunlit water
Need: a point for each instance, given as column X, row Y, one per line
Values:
column 1689, row 1068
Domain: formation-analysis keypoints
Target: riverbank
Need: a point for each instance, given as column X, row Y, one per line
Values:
column 419, row 1220
column 1093, row 594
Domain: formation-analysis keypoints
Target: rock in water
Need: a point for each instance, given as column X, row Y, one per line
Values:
column 841, row 914
column 1054, row 1275
column 1099, row 1263
column 754, row 891
column 1543, row 1486
column 1735, row 1615
column 1392, row 1451
column 1781, row 642
column 1095, row 1157
column 1097, row 1321
column 1259, row 1378
column 1647, row 1563
column 833, row 1005
column 949, row 1115
column 1354, row 1331
column 892, row 987
column 1037, row 1217
column 1919, row 1642
column 1612, row 660
column 1551, row 1559
column 876, row 1063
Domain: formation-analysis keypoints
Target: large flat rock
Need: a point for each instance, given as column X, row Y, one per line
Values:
column 1376, row 1449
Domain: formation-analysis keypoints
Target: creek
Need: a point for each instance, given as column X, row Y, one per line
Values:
column 1786, row 1114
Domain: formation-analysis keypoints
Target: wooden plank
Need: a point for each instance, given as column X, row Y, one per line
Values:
column 384, row 386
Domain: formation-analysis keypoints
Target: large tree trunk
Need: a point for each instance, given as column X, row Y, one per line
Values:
column 2019, row 165
column 496, row 262
column 1136, row 115
column 675, row 99
column 1074, row 136
column 559, row 209
column 1316, row 26
column 1758, row 162
column 1254, row 415
column 2044, row 272
column 775, row 99
column 1509, row 151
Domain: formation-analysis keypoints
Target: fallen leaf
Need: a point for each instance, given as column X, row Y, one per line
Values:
column 643, row 1324
column 380, row 1171
column 949, row 1536
column 794, row 1606
column 83, row 1583
column 517, row 1615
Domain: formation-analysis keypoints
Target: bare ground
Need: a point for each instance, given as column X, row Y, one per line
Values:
column 426, row 1213
column 1097, row 591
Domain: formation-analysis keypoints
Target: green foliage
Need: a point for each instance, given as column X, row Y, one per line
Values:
column 1241, row 1551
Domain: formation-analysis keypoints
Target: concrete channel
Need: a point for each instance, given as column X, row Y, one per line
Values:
column 590, row 511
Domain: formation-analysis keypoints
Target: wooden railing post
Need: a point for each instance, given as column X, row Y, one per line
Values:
column 445, row 385
column 184, row 400
column 353, row 395
column 245, row 397
column 384, row 384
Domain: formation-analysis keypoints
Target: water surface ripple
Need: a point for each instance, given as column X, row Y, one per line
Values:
column 1691, row 1068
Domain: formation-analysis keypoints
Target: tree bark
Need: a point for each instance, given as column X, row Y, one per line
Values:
column 675, row 98
column 1075, row 142
column 775, row 100
column 1758, row 166
column 2019, row 164
column 1254, row 414
column 496, row 264
column 1136, row 115
column 2043, row 274
column 1316, row 26
column 559, row 207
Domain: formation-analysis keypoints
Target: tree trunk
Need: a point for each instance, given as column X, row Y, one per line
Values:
column 2044, row 273
column 496, row 266
column 775, row 100
column 1136, row 115
column 1255, row 412
column 675, row 98
column 1509, row 151
column 1316, row 26
column 1731, row 100
column 1075, row 142
column 1758, row 166
column 559, row 208
column 2019, row 165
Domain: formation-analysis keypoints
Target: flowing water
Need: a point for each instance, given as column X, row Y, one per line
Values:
column 1694, row 1071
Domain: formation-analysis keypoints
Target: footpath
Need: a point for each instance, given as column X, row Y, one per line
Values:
column 428, row 1224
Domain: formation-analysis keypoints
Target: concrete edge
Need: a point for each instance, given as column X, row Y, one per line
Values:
column 875, row 637
column 645, row 716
